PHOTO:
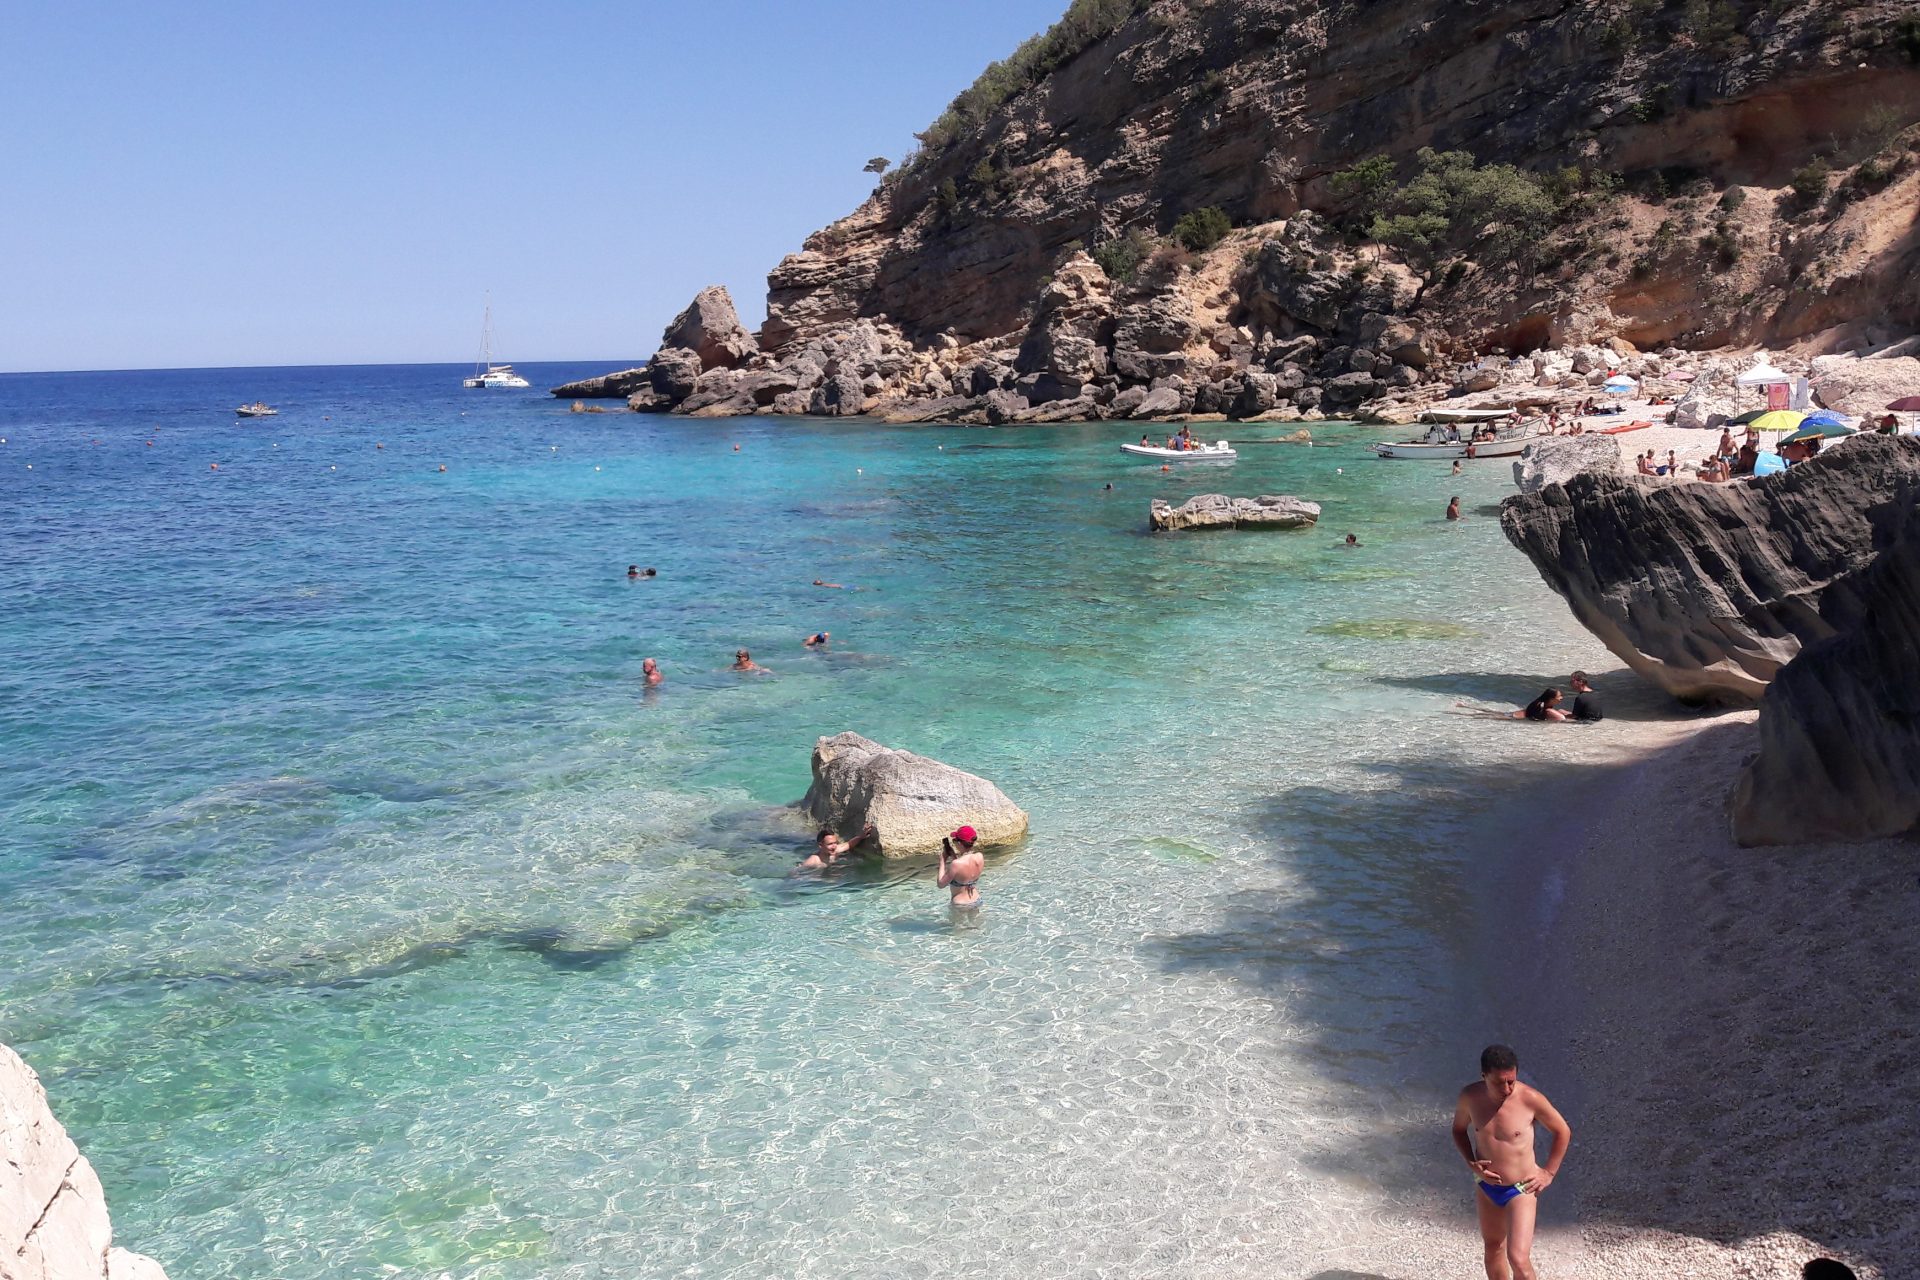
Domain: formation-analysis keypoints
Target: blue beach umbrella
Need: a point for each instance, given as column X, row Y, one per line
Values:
column 1824, row 418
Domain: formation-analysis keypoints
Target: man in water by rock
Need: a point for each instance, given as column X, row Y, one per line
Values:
column 743, row 661
column 650, row 672
column 827, row 847
column 1500, row 1112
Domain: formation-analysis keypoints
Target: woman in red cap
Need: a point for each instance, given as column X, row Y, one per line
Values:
column 960, row 868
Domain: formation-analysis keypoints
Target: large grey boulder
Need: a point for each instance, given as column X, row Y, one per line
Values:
column 608, row 386
column 1218, row 511
column 1558, row 459
column 911, row 801
column 1839, row 751
column 674, row 373
column 840, row 395
column 711, row 329
column 53, row 1214
column 1853, row 385
column 1708, row 590
column 1159, row 403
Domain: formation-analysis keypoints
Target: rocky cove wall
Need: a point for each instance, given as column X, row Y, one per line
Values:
column 53, row 1213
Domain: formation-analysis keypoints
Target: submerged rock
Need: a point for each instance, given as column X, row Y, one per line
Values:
column 1840, row 726
column 1708, row 590
column 53, row 1214
column 1557, row 459
column 1218, row 511
column 911, row 801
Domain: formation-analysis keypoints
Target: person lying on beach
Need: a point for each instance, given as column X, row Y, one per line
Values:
column 650, row 672
column 743, row 661
column 827, row 847
column 1500, row 1113
column 817, row 640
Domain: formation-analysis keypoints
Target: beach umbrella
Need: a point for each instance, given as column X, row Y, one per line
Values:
column 1906, row 404
column 1822, row 417
column 1778, row 420
column 1811, row 430
column 1749, row 416
column 1617, row 383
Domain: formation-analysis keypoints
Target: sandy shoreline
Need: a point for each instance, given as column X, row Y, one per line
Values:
column 1731, row 1032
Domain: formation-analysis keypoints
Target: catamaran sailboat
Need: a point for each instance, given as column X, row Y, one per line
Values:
column 486, row 373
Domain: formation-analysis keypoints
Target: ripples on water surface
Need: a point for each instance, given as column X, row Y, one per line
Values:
column 364, row 917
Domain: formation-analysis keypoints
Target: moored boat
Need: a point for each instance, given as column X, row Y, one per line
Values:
column 258, row 409
column 1220, row 451
column 1437, row 447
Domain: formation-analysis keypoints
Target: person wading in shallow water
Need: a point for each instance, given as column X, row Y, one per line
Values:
column 1500, row 1112
column 960, row 868
column 1453, row 509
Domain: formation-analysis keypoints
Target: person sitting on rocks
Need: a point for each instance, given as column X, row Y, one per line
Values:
column 828, row 848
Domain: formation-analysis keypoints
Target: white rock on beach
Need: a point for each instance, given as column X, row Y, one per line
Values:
column 911, row 801
column 1852, row 385
column 1557, row 459
column 53, row 1213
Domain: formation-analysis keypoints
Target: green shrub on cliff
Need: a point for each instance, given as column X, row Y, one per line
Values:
column 1121, row 258
column 1085, row 23
column 1456, row 209
column 1202, row 229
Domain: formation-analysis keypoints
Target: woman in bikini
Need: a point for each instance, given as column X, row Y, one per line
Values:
column 960, row 868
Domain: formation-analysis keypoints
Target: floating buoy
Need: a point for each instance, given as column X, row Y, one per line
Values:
column 596, row 468
column 333, row 468
column 379, row 446
column 1339, row 471
column 859, row 471
column 443, row 466
column 149, row 444
column 29, row 466
column 554, row 447
column 736, row 448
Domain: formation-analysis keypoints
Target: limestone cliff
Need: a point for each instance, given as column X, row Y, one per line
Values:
column 1719, row 172
column 1840, row 726
column 1709, row 590
column 53, row 1214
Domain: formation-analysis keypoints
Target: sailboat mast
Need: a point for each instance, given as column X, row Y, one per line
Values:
column 486, row 336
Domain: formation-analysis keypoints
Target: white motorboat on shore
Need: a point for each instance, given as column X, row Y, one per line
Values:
column 1438, row 445
column 1466, row 415
column 1220, row 451
column 258, row 409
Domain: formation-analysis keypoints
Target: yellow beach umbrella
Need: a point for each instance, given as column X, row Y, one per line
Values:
column 1778, row 420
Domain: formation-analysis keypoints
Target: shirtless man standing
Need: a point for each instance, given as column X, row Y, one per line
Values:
column 1502, row 1112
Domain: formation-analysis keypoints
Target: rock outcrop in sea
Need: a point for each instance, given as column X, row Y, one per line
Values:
column 1218, row 511
column 1162, row 209
column 53, row 1213
column 911, row 801
column 1709, row 590
column 1840, row 725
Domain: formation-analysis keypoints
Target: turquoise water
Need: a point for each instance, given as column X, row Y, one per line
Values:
column 365, row 917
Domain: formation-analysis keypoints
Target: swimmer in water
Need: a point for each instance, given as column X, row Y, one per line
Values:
column 650, row 671
column 837, row 586
column 828, row 848
column 1453, row 508
column 818, row 640
column 743, row 661
column 633, row 571
column 1351, row 541
column 1456, row 466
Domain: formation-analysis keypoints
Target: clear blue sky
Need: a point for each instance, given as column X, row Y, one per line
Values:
column 319, row 183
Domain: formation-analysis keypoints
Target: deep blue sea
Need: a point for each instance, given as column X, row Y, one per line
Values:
column 364, row 917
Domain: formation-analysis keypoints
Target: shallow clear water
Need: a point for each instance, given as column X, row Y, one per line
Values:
column 364, row 917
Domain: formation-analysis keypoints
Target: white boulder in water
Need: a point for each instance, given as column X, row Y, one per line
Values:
column 910, row 800
column 53, row 1214
column 1218, row 511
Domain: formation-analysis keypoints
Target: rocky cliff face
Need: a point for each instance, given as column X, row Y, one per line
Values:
column 1840, row 726
column 963, row 278
column 53, row 1214
column 1710, row 590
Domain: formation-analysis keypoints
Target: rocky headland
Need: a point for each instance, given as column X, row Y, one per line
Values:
column 1283, row 209
column 53, row 1214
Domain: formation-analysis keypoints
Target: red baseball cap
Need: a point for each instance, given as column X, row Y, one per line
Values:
column 966, row 835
